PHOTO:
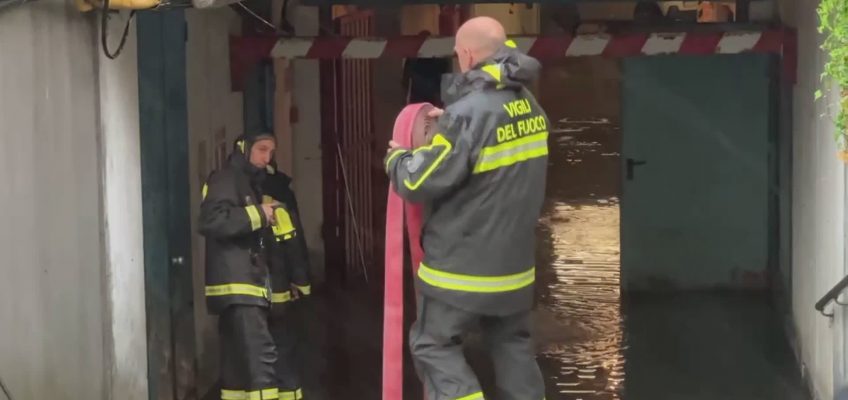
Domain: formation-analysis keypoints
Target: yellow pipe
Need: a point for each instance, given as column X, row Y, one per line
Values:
column 88, row 5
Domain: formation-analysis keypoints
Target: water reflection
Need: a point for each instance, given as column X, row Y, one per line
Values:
column 579, row 323
column 705, row 346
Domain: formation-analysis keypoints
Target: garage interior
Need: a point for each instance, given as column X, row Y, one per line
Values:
column 671, row 292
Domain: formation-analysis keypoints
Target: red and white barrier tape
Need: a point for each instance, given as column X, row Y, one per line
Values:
column 622, row 45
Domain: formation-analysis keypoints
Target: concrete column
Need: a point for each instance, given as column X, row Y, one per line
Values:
column 306, row 141
column 120, row 166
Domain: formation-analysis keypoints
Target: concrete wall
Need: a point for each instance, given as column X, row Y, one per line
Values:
column 71, row 300
column 214, row 122
column 517, row 19
column 417, row 18
column 306, row 141
column 120, row 165
column 818, row 210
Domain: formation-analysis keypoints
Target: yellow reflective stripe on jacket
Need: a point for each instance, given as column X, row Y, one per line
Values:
column 204, row 191
column 393, row 155
column 255, row 218
column 265, row 394
column 473, row 396
column 306, row 290
column 283, row 297
column 283, row 227
column 438, row 141
column 494, row 70
column 476, row 284
column 285, row 237
column 231, row 289
column 509, row 153
column 291, row 395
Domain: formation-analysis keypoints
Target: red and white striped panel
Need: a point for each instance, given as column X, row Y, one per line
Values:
column 624, row 45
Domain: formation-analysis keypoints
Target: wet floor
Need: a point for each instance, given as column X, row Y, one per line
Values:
column 578, row 318
column 591, row 344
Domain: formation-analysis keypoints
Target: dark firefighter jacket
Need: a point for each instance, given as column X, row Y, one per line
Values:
column 237, row 235
column 289, row 258
column 482, row 180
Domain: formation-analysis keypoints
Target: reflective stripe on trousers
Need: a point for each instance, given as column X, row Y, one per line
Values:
column 476, row 284
column 265, row 394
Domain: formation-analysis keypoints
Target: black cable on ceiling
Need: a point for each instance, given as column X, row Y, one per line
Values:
column 104, row 32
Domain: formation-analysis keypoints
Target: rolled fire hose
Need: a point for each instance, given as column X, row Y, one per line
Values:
column 412, row 129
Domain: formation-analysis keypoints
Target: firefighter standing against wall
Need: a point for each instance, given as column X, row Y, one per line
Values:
column 482, row 179
column 289, row 277
column 237, row 227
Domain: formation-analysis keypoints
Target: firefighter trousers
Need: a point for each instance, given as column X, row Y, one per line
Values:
column 285, row 339
column 247, row 354
column 436, row 341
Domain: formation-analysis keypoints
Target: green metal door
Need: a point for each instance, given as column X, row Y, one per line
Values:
column 166, row 207
column 695, row 201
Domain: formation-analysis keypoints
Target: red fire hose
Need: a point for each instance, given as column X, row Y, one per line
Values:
column 409, row 131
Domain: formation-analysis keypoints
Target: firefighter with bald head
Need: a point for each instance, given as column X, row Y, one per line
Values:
column 482, row 181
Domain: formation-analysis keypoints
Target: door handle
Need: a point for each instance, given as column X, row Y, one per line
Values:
column 631, row 165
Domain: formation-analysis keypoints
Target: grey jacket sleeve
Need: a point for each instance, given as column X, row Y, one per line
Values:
column 430, row 172
column 220, row 215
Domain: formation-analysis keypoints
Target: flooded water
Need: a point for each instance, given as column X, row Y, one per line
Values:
column 578, row 318
column 595, row 346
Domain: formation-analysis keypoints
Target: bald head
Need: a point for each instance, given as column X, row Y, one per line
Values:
column 477, row 39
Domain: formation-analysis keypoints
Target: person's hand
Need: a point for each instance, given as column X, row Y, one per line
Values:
column 268, row 209
column 295, row 292
column 435, row 112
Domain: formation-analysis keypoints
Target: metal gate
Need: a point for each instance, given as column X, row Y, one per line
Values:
column 349, row 185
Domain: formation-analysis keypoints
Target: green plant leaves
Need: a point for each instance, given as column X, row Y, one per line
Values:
column 833, row 23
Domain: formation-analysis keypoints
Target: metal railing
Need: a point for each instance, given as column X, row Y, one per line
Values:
column 832, row 295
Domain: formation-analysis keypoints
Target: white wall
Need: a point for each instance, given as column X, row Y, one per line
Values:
column 214, row 118
column 417, row 18
column 71, row 297
column 517, row 19
column 306, row 139
column 120, row 165
column 818, row 209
